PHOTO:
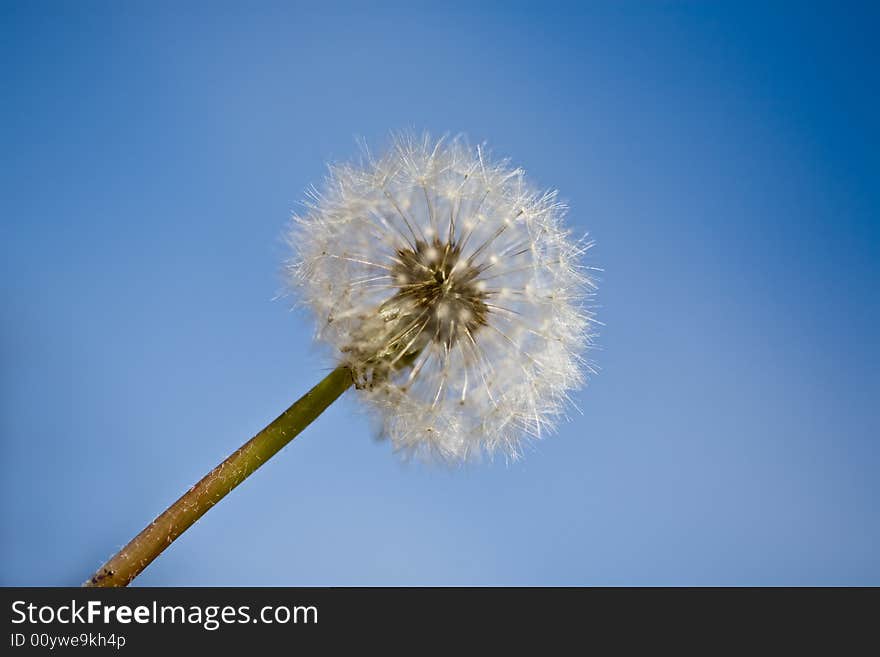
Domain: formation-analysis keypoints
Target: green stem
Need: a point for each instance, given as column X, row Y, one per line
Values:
column 159, row 534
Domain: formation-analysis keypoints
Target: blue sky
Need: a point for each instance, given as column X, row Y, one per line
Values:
column 724, row 157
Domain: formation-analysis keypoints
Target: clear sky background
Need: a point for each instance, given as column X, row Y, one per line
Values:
column 724, row 156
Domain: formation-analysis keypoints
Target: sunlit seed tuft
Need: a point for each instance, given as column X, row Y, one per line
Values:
column 452, row 290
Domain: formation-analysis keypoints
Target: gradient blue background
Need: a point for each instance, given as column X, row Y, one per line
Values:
column 724, row 157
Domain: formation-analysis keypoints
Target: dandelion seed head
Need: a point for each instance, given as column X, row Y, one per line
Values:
column 452, row 290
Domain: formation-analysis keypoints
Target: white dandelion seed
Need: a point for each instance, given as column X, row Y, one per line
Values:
column 451, row 289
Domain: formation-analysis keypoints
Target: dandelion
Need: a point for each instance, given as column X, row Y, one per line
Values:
column 451, row 290
column 455, row 299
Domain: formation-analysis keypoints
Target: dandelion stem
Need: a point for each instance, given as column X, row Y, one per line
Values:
column 159, row 534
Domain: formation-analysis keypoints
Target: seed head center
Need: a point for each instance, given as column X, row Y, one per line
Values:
column 441, row 286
